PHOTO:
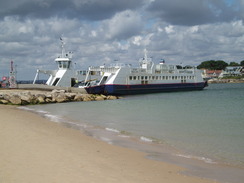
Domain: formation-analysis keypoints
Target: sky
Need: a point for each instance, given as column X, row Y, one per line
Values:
column 106, row 31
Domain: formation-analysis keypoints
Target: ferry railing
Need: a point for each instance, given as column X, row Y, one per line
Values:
column 104, row 69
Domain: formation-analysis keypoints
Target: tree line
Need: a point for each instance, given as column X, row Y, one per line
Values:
column 218, row 64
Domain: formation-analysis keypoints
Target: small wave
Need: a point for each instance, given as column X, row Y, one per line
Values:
column 112, row 130
column 76, row 124
column 42, row 112
column 53, row 118
column 124, row 136
column 145, row 139
column 206, row 160
column 109, row 141
column 26, row 108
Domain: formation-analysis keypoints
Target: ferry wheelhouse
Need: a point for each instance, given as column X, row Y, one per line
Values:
column 65, row 75
column 147, row 78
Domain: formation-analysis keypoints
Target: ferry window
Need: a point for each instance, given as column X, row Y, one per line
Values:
column 182, row 77
column 149, row 77
column 138, row 77
column 169, row 77
column 152, row 77
column 130, row 77
column 134, row 77
column 160, row 77
column 166, row 77
column 64, row 65
column 163, row 77
column 173, row 77
column 146, row 77
column 156, row 77
column 59, row 64
column 142, row 77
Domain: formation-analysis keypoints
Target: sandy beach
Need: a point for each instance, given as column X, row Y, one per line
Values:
column 33, row 149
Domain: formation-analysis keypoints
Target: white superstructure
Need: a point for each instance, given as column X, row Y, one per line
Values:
column 65, row 75
column 147, row 78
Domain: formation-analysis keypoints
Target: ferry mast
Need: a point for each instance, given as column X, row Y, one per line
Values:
column 12, row 76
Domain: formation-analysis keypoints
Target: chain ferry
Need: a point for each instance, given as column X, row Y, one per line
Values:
column 65, row 75
column 123, row 79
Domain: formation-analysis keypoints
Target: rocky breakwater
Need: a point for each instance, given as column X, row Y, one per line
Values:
column 39, row 97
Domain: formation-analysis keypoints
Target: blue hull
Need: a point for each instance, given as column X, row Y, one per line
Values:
column 142, row 89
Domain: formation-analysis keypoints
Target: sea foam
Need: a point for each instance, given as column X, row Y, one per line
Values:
column 206, row 160
column 145, row 139
column 112, row 130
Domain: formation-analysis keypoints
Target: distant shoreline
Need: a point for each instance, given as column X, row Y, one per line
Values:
column 226, row 81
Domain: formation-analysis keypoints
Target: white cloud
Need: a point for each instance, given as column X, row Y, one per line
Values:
column 137, row 40
column 169, row 29
column 121, row 33
column 124, row 25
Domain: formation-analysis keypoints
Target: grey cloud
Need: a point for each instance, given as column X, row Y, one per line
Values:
column 82, row 9
column 192, row 12
column 99, row 31
column 124, row 25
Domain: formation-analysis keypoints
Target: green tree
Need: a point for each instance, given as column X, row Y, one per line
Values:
column 213, row 65
column 233, row 64
column 242, row 63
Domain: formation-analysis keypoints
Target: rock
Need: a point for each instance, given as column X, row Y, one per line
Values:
column 40, row 99
column 6, row 96
column 87, row 97
column 54, row 96
column 61, row 98
column 70, row 96
column 48, row 100
column 110, row 97
column 27, row 98
column 99, row 98
column 2, row 101
column 104, row 96
column 78, row 97
column 15, row 99
column 1, row 96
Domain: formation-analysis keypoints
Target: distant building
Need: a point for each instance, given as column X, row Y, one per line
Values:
column 211, row 74
column 232, row 71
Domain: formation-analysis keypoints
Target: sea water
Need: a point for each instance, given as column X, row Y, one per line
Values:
column 207, row 125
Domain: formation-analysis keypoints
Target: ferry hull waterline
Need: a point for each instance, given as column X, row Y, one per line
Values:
column 147, row 78
column 144, row 89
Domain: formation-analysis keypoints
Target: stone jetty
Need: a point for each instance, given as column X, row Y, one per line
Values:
column 31, row 97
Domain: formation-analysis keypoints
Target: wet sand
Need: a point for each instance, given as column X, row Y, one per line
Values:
column 33, row 149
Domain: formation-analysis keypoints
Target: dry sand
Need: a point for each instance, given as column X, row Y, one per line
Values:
column 35, row 150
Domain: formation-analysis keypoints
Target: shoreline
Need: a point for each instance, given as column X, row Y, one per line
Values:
column 33, row 149
column 217, row 81
column 197, row 166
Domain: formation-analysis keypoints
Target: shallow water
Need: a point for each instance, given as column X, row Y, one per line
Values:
column 205, row 125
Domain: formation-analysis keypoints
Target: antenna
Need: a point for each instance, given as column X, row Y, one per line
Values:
column 62, row 46
column 145, row 54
